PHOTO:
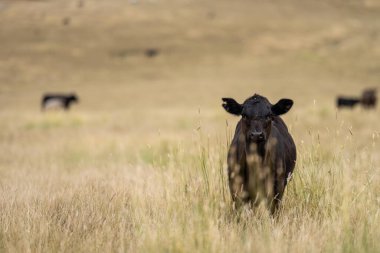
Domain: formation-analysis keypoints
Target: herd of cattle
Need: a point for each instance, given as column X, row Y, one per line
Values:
column 262, row 154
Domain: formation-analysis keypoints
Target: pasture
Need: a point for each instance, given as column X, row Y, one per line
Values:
column 139, row 165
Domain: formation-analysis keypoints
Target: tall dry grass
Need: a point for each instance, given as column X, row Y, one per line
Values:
column 78, row 182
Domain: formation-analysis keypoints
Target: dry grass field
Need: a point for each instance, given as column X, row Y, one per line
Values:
column 139, row 165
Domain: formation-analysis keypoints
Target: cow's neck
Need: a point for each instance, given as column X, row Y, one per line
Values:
column 260, row 149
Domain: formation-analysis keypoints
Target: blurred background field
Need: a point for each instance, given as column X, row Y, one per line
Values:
column 139, row 164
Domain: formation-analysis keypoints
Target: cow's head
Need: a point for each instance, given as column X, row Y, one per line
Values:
column 73, row 98
column 257, row 115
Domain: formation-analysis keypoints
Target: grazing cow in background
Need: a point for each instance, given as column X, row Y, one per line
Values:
column 58, row 101
column 369, row 98
column 262, row 154
column 347, row 102
column 151, row 52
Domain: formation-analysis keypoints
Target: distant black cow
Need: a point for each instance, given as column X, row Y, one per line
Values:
column 347, row 102
column 151, row 52
column 58, row 101
column 262, row 154
column 368, row 100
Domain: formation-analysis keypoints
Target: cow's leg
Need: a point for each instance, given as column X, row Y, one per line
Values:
column 237, row 177
column 66, row 105
column 43, row 104
column 278, row 189
column 237, row 185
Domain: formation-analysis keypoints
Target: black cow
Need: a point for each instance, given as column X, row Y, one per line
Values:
column 347, row 102
column 58, row 101
column 262, row 154
column 367, row 100
column 151, row 52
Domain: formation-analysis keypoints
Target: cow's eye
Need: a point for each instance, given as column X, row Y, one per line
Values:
column 244, row 116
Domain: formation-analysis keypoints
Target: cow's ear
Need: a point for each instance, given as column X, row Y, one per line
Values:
column 282, row 106
column 231, row 106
